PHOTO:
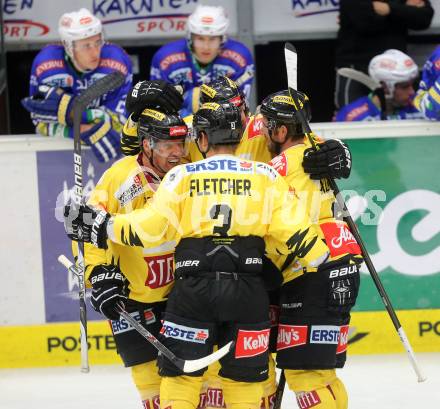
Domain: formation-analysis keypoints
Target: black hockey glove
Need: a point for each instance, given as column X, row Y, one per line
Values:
column 343, row 283
column 332, row 159
column 108, row 290
column 83, row 223
column 152, row 94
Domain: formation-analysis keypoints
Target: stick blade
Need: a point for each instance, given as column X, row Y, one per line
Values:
column 359, row 76
column 291, row 57
column 102, row 86
column 197, row 364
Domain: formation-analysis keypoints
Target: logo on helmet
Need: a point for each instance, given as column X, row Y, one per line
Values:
column 206, row 89
column 283, row 99
column 159, row 116
column 178, row 131
column 210, row 105
column 207, row 19
column 85, row 20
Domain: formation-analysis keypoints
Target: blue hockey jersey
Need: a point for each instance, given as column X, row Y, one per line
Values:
column 364, row 109
column 427, row 98
column 52, row 67
column 175, row 63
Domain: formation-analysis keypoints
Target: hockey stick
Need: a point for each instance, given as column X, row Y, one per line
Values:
column 185, row 365
column 369, row 82
column 289, row 48
column 100, row 87
column 280, row 391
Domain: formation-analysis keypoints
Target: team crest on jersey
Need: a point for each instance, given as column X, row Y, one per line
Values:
column 280, row 164
column 181, row 75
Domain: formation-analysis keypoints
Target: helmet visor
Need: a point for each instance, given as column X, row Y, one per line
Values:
column 169, row 148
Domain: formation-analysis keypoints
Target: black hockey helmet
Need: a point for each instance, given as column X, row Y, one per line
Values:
column 279, row 108
column 222, row 90
column 221, row 122
column 155, row 124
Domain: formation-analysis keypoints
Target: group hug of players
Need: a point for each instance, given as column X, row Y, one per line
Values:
column 221, row 227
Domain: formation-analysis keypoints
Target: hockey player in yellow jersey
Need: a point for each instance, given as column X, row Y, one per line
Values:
column 252, row 146
column 140, row 277
column 223, row 213
column 312, row 305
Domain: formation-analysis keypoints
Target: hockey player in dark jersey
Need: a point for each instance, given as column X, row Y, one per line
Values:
column 61, row 72
column 205, row 55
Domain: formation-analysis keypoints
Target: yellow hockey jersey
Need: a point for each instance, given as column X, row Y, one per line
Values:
column 252, row 146
column 318, row 199
column 227, row 196
column 124, row 187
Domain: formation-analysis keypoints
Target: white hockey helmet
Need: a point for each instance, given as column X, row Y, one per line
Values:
column 392, row 67
column 208, row 21
column 77, row 25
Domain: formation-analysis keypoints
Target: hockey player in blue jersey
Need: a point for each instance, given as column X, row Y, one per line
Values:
column 427, row 99
column 60, row 72
column 396, row 71
column 205, row 55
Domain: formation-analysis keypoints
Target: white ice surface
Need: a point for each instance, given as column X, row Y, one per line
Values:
column 373, row 381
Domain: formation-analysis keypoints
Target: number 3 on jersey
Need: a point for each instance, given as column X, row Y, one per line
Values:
column 225, row 211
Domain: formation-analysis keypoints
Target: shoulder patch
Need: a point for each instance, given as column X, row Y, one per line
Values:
column 267, row 170
column 233, row 56
column 172, row 59
column 254, row 126
column 114, row 65
column 356, row 112
column 280, row 164
column 48, row 65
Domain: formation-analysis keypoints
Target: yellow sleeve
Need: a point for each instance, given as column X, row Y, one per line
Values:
column 157, row 222
column 99, row 199
column 291, row 231
column 129, row 138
